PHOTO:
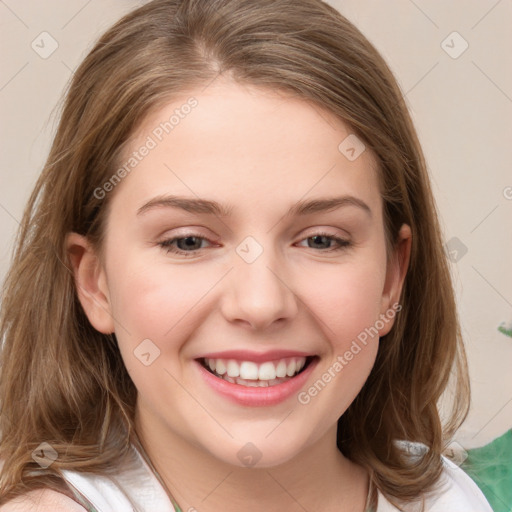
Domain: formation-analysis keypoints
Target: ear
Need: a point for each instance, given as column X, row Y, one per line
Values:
column 91, row 282
column 395, row 277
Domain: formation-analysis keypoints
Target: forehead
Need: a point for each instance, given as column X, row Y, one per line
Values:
column 245, row 145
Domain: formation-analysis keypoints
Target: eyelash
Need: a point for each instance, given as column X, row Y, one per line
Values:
column 167, row 244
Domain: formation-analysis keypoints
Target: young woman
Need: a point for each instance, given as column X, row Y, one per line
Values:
column 229, row 290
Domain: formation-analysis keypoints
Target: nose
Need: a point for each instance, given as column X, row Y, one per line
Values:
column 259, row 294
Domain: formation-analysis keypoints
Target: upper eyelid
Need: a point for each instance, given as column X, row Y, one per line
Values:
column 190, row 233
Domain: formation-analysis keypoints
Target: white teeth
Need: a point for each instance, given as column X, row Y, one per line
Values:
column 267, row 371
column 281, row 369
column 250, row 373
column 291, row 368
column 249, row 370
column 220, row 367
column 233, row 368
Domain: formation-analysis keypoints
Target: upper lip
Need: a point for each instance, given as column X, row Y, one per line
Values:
column 257, row 357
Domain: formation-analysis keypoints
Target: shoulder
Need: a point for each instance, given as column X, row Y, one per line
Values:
column 42, row 500
column 455, row 491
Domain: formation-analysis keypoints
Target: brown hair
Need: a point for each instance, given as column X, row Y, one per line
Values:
column 77, row 395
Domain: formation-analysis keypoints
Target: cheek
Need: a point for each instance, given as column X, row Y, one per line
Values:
column 345, row 299
column 161, row 303
column 346, row 307
column 157, row 301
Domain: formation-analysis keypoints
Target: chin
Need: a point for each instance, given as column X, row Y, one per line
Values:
column 261, row 452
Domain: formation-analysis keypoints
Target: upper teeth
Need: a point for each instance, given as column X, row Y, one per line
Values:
column 250, row 370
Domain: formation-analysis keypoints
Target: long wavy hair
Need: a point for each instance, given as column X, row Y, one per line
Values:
column 64, row 383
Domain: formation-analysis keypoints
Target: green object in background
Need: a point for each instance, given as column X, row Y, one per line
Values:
column 506, row 328
column 490, row 466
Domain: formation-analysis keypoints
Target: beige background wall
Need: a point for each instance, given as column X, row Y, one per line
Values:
column 461, row 101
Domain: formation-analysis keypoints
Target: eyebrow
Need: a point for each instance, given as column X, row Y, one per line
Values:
column 205, row 206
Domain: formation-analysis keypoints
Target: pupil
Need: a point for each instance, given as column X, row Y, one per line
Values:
column 190, row 242
column 317, row 239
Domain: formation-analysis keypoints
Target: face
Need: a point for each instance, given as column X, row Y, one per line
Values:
column 243, row 263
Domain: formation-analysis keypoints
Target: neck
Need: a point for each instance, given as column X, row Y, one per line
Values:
column 319, row 478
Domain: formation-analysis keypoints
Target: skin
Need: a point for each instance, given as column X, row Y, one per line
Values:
column 259, row 152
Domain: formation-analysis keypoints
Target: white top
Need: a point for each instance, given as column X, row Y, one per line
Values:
column 138, row 489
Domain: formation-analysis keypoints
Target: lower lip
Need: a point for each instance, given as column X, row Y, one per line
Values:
column 257, row 397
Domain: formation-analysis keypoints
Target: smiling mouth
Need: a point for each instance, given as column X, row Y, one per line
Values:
column 252, row 374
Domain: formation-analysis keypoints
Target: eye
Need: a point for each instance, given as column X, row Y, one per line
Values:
column 324, row 241
column 191, row 243
column 184, row 244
